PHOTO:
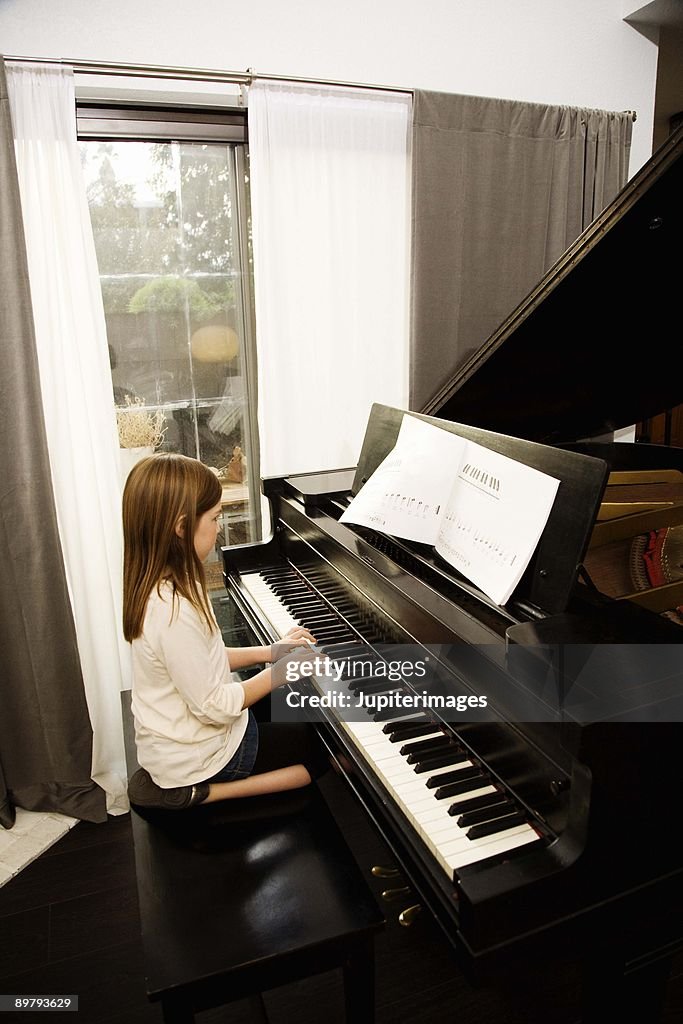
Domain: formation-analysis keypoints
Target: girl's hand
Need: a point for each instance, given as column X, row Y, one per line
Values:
column 295, row 646
column 299, row 633
column 297, row 636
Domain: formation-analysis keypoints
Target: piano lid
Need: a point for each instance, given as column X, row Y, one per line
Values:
column 594, row 346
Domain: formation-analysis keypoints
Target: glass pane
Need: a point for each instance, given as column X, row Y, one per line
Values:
column 165, row 223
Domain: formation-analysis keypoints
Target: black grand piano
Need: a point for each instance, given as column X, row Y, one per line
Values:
column 529, row 835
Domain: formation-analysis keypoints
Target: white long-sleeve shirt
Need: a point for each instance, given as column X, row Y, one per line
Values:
column 187, row 707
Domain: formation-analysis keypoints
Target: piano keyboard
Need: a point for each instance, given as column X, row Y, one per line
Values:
column 461, row 813
column 286, row 600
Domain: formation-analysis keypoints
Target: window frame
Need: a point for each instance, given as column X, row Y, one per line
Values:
column 152, row 122
column 136, row 121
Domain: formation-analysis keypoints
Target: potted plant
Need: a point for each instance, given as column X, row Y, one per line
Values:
column 141, row 432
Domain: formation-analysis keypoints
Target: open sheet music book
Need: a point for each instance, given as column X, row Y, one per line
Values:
column 482, row 512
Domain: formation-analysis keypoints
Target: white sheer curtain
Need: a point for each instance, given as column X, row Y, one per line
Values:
column 77, row 396
column 330, row 184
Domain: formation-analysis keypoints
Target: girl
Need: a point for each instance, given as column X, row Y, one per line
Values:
column 197, row 741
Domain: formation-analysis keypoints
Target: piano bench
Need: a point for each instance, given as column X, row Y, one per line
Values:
column 243, row 896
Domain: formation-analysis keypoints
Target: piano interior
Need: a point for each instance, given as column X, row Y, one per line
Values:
column 636, row 549
column 524, row 834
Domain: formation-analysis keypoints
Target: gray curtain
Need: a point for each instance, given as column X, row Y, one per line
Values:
column 45, row 732
column 500, row 189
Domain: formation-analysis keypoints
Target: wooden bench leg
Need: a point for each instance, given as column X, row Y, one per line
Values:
column 359, row 984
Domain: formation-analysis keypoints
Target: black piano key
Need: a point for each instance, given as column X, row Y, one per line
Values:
column 323, row 634
column 316, row 625
column 417, row 730
column 289, row 583
column 332, row 652
column 310, row 610
column 428, row 764
column 295, row 592
column 311, row 617
column 356, row 684
column 454, row 788
column 284, row 572
column 489, row 813
column 315, row 615
column 489, row 828
column 306, row 604
column 455, row 776
column 371, row 688
column 393, row 714
column 352, row 615
column 433, row 758
column 432, row 745
column 399, row 731
column 347, row 651
column 331, row 589
column 312, row 614
column 277, row 575
column 465, row 804
column 364, row 666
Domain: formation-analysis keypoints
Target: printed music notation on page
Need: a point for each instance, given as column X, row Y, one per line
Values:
column 405, row 495
column 481, row 511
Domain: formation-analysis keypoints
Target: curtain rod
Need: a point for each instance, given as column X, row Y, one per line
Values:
column 328, row 81
column 89, row 67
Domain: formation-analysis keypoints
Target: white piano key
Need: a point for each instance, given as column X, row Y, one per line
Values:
column 448, row 768
column 502, row 845
column 462, row 842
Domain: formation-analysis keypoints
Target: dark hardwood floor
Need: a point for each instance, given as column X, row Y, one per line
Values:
column 69, row 925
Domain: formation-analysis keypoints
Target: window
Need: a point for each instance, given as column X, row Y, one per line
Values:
column 169, row 204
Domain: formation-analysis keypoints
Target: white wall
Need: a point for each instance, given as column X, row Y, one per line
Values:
column 574, row 52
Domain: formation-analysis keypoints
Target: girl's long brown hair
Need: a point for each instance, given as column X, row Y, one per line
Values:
column 159, row 491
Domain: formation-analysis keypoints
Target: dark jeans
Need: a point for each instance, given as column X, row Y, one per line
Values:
column 273, row 745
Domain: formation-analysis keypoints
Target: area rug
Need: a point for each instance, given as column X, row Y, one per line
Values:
column 32, row 834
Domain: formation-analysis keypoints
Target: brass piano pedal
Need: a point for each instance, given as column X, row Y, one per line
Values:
column 379, row 871
column 395, row 894
column 407, row 916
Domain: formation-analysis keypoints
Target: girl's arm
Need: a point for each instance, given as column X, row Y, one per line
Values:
column 245, row 657
column 257, row 687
